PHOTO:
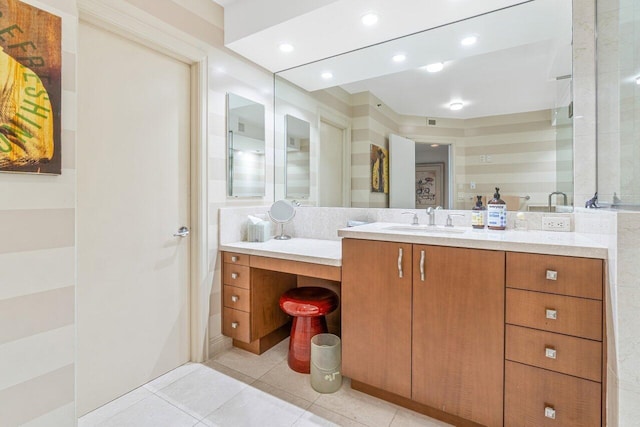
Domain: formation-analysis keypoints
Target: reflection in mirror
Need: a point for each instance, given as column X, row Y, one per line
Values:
column 297, row 157
column 245, row 147
column 500, row 107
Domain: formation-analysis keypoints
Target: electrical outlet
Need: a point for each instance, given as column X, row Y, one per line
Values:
column 472, row 185
column 556, row 223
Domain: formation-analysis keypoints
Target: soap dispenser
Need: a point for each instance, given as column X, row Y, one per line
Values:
column 478, row 214
column 497, row 212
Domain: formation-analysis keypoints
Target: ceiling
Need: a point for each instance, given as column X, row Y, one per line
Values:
column 512, row 68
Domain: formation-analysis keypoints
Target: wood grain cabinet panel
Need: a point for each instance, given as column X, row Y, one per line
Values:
column 376, row 314
column 539, row 398
column 235, row 258
column 561, row 353
column 579, row 277
column 579, row 317
column 458, row 331
column 236, row 298
column 236, row 324
column 236, row 275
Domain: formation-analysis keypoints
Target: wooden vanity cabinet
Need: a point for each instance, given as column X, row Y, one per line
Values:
column 554, row 341
column 251, row 314
column 425, row 323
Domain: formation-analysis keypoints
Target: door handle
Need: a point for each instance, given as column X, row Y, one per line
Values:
column 422, row 265
column 182, row 232
column 400, row 273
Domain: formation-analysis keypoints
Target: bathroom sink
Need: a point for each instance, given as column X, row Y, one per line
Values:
column 425, row 229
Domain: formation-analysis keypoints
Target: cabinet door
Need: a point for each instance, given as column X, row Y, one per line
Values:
column 376, row 314
column 458, row 331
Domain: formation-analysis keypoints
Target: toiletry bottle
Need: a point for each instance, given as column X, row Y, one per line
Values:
column 478, row 214
column 497, row 212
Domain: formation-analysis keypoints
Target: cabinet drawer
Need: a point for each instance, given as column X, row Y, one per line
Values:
column 533, row 396
column 233, row 258
column 568, row 355
column 579, row 277
column 573, row 316
column 236, row 298
column 235, row 324
column 237, row 275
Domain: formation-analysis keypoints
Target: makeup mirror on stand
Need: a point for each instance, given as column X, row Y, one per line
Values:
column 282, row 212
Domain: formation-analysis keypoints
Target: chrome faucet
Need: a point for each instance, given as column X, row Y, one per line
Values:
column 431, row 213
column 557, row 192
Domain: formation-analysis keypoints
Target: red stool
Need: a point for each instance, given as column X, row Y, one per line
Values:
column 308, row 307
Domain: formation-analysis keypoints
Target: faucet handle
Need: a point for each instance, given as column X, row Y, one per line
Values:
column 450, row 220
column 415, row 217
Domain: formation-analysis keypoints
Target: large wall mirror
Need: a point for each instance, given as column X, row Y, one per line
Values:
column 245, row 147
column 486, row 101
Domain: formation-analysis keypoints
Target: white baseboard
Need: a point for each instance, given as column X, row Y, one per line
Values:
column 218, row 345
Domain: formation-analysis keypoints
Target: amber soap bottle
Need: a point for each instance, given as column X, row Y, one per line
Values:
column 497, row 212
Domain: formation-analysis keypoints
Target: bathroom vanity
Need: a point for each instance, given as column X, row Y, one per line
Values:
column 255, row 275
column 473, row 327
column 476, row 327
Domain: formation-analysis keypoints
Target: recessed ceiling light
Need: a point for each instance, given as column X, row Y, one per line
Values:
column 435, row 145
column 434, row 68
column 638, row 80
column 455, row 106
column 327, row 75
column 468, row 41
column 399, row 57
column 286, row 47
column 370, row 18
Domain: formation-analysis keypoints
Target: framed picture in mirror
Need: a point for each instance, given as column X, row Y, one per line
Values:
column 379, row 169
column 429, row 185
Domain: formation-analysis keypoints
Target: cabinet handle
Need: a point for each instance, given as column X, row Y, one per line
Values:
column 400, row 274
column 551, row 314
column 552, row 275
column 234, row 275
column 422, row 265
column 549, row 412
column 235, row 325
column 235, row 298
column 234, row 259
column 550, row 352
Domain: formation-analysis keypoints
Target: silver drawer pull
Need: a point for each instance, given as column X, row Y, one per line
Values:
column 235, row 298
column 235, row 325
column 550, row 352
column 422, row 265
column 234, row 259
column 549, row 412
column 551, row 314
column 400, row 274
column 552, row 275
column 234, row 275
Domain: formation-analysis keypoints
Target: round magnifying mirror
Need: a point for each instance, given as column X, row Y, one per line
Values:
column 282, row 212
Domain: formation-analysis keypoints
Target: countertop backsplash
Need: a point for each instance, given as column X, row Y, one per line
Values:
column 323, row 223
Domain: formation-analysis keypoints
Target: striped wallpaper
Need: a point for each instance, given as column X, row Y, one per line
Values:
column 37, row 265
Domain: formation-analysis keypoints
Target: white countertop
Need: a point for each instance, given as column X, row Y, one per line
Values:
column 317, row 251
column 533, row 241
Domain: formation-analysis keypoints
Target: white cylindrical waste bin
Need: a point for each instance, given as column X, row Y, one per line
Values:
column 326, row 363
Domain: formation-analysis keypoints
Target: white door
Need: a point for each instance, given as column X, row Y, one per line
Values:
column 133, row 195
column 330, row 166
column 402, row 172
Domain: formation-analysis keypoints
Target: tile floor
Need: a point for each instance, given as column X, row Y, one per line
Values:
column 237, row 389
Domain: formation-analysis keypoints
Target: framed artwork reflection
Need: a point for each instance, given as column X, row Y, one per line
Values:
column 429, row 185
column 379, row 169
